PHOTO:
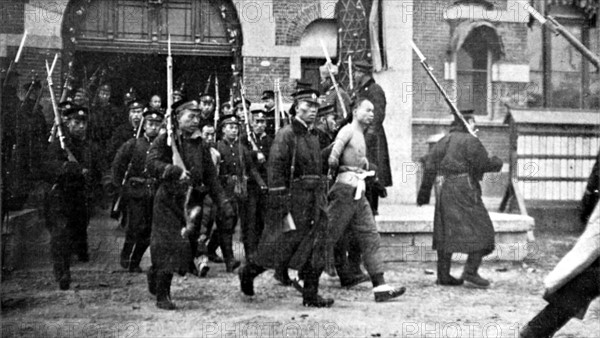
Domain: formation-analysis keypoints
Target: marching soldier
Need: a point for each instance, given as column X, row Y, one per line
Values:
column 72, row 171
column 377, row 148
column 239, row 178
column 169, row 245
column 268, row 98
column 329, row 95
column 295, row 229
column 81, row 97
column 207, row 110
column 104, row 118
column 138, row 191
column 348, row 206
column 461, row 223
column 126, row 130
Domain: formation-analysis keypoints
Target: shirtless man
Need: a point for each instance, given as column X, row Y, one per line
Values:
column 348, row 207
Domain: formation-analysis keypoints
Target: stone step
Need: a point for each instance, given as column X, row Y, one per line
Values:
column 407, row 230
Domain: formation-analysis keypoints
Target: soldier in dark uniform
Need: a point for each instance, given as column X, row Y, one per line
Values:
column 71, row 171
column 240, row 178
column 377, row 147
column 169, row 245
column 25, row 142
column 268, row 98
column 126, row 130
column 177, row 95
column 329, row 95
column 138, row 191
column 81, row 97
column 296, row 223
column 257, row 201
column 207, row 109
column 461, row 223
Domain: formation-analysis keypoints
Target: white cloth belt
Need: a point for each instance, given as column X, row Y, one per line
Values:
column 355, row 179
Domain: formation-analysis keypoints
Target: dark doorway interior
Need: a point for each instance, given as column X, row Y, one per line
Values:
column 147, row 73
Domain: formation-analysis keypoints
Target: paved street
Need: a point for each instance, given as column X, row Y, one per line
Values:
column 106, row 302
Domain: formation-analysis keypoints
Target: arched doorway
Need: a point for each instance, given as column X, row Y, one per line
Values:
column 125, row 43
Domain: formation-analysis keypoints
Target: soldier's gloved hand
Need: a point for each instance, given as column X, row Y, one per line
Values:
column 172, row 172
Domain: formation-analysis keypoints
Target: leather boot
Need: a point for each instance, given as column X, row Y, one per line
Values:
column 310, row 296
column 282, row 276
column 227, row 247
column 151, row 281
column 443, row 270
column 470, row 274
column 126, row 253
column 247, row 275
column 163, row 291
column 136, row 256
column 546, row 323
column 212, row 246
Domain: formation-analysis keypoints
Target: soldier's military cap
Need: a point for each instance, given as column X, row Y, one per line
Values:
column 135, row 104
column 180, row 106
column 65, row 105
column 363, row 66
column 267, row 95
column 206, row 97
column 326, row 110
column 229, row 119
column 76, row 113
column 308, row 95
column 130, row 96
column 225, row 104
column 259, row 114
column 238, row 100
column 153, row 115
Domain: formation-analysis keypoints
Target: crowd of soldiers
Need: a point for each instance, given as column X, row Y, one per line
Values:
column 303, row 185
column 179, row 181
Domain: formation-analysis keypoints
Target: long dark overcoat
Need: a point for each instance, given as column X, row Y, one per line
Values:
column 169, row 251
column 377, row 146
column 461, row 222
column 306, row 201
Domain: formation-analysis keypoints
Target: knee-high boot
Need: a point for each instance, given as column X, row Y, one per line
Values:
column 546, row 323
column 227, row 248
column 138, row 253
column 443, row 270
column 163, row 291
column 126, row 252
column 213, row 245
column 310, row 295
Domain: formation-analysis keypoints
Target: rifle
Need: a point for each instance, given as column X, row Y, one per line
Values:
column 168, row 113
column 16, row 60
column 453, row 107
column 260, row 156
column 333, row 80
column 57, row 118
column 117, row 206
column 559, row 29
column 277, row 106
column 67, row 85
column 217, row 101
column 350, row 74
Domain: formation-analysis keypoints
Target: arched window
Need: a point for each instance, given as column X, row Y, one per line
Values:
column 311, row 51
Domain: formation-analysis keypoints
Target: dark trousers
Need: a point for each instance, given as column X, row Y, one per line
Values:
column 137, row 231
column 253, row 227
column 309, row 273
column 347, row 256
column 571, row 300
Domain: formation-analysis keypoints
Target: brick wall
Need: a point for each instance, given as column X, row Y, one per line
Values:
column 291, row 18
column 12, row 17
column 258, row 78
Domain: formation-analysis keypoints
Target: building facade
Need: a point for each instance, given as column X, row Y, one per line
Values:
column 487, row 54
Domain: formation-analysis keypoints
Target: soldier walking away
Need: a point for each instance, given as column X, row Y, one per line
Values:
column 575, row 281
column 461, row 222
column 138, row 192
column 348, row 206
column 67, row 203
column 169, row 245
column 377, row 147
column 296, row 224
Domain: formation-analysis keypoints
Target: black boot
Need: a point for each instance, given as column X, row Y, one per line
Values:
column 212, row 246
column 546, row 323
column 151, row 281
column 470, row 274
column 247, row 274
column 282, row 276
column 163, row 291
column 136, row 256
column 310, row 295
column 227, row 247
column 443, row 270
column 126, row 253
